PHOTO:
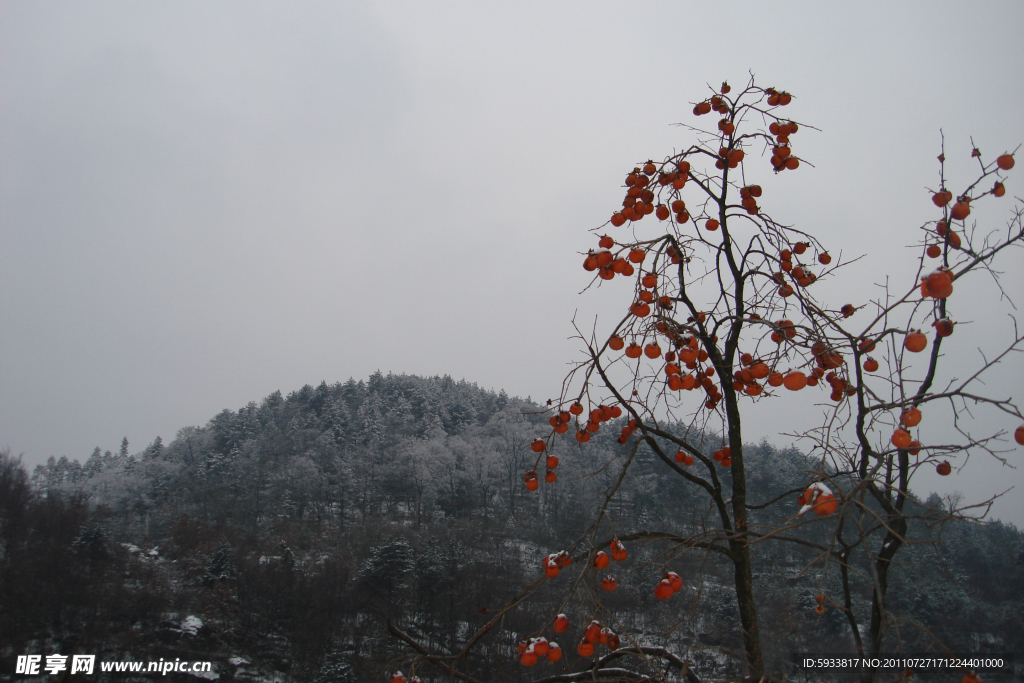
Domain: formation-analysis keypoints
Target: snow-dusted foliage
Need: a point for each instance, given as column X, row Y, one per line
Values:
column 279, row 538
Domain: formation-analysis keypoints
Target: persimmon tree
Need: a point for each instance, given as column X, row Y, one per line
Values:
column 724, row 318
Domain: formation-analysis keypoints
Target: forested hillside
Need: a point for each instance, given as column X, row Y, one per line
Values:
column 278, row 539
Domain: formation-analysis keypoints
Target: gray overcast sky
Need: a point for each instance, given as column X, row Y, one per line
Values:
column 203, row 202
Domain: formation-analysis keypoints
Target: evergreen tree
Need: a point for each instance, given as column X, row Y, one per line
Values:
column 220, row 565
column 388, row 569
column 94, row 465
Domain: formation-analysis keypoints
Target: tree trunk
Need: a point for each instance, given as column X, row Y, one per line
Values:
column 748, row 611
column 738, row 545
column 740, row 551
column 876, row 634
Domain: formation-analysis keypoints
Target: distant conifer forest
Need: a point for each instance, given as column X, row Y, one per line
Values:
column 279, row 539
